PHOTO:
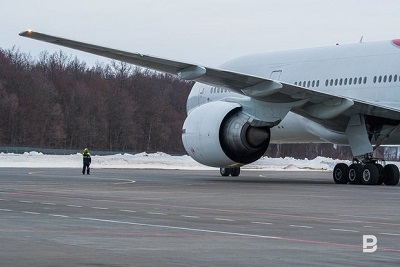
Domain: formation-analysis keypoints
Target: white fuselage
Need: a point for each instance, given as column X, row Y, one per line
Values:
column 367, row 72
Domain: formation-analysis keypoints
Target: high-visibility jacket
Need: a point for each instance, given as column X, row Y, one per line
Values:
column 86, row 158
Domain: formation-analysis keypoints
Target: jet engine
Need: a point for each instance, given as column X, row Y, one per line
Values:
column 219, row 134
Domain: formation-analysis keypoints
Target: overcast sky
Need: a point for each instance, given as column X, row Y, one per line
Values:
column 207, row 32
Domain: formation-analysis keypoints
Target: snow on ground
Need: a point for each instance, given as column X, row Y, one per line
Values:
column 157, row 160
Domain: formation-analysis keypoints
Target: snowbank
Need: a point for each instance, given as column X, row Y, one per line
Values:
column 157, row 160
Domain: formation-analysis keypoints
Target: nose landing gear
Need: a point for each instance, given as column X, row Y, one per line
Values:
column 234, row 171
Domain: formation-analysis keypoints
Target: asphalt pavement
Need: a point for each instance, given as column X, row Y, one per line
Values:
column 117, row 217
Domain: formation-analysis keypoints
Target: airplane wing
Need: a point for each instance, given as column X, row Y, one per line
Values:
column 221, row 78
column 319, row 106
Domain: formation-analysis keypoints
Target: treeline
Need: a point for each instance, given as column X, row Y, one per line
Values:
column 57, row 101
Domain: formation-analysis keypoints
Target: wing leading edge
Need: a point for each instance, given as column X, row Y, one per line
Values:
column 319, row 106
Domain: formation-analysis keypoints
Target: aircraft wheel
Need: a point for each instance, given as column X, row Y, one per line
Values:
column 235, row 171
column 225, row 171
column 355, row 173
column 391, row 174
column 381, row 175
column 340, row 173
column 370, row 174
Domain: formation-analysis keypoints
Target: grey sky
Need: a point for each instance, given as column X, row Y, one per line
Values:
column 206, row 32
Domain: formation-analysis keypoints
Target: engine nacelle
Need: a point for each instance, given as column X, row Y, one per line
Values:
column 219, row 134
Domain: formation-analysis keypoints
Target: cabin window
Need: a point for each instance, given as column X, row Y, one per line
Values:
column 390, row 78
column 395, row 78
column 380, row 79
column 318, row 83
column 384, row 78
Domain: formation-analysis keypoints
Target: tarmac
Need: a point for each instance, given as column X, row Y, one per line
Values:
column 120, row 217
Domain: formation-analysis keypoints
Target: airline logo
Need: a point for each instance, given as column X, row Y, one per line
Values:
column 396, row 42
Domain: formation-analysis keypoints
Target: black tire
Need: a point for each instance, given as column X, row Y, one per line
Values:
column 341, row 173
column 235, row 171
column 381, row 175
column 391, row 174
column 225, row 171
column 355, row 173
column 370, row 174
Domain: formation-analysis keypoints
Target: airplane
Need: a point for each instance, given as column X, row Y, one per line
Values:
column 342, row 94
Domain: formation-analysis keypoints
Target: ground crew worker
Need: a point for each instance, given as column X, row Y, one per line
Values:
column 86, row 161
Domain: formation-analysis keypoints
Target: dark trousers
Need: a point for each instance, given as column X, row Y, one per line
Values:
column 87, row 167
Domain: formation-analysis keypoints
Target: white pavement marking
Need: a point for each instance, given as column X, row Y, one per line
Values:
column 128, row 210
column 389, row 234
column 181, row 228
column 301, row 226
column 369, row 226
column 7, row 210
column 343, row 230
column 223, row 219
column 59, row 215
column 266, row 223
column 47, row 203
column 74, row 206
column 156, row 213
column 31, row 212
column 25, row 201
column 365, row 217
column 190, row 216
column 99, row 208
column 128, row 182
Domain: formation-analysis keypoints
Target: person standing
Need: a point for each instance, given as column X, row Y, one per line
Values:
column 86, row 161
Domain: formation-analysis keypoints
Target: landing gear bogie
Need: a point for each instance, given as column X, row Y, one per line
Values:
column 367, row 173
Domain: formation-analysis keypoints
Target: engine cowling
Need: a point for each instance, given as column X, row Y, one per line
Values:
column 219, row 134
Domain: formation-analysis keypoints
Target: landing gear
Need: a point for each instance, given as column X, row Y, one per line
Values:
column 234, row 171
column 367, row 172
column 362, row 131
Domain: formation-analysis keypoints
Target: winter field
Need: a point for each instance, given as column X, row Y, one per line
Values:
column 157, row 160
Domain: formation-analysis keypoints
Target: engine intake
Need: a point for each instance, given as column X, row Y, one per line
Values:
column 219, row 134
